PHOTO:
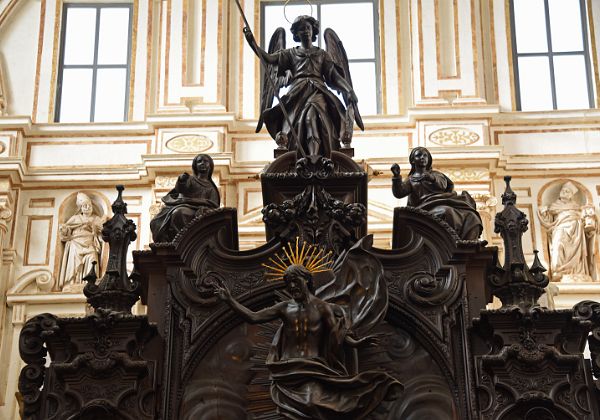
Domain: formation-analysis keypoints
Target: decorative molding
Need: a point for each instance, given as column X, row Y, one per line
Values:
column 485, row 202
column 189, row 143
column 165, row 182
column 467, row 174
column 43, row 279
column 454, row 136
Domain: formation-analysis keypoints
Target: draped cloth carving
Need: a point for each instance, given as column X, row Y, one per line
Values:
column 82, row 237
column 572, row 230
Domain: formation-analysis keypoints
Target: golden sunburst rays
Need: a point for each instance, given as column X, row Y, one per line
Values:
column 313, row 258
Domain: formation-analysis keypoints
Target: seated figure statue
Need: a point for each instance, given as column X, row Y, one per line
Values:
column 434, row 192
column 192, row 195
column 310, row 378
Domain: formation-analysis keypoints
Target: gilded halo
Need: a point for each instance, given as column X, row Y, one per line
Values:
column 311, row 257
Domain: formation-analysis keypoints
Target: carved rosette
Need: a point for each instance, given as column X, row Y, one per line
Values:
column 189, row 143
column 454, row 136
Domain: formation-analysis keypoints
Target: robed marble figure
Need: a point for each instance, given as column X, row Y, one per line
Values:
column 311, row 377
column 572, row 230
column 82, row 234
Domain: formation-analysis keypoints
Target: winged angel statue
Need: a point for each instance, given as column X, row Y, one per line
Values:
column 312, row 376
column 310, row 116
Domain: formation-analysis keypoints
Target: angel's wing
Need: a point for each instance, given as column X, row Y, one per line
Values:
column 336, row 49
column 358, row 287
column 270, row 71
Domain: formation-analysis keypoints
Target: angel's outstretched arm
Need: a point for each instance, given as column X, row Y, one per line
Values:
column 265, row 56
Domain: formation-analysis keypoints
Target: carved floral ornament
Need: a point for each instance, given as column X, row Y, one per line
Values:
column 189, row 143
column 5, row 213
column 166, row 182
column 454, row 136
column 467, row 174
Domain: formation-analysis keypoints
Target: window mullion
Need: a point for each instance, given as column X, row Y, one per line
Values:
column 550, row 57
column 128, row 68
column 586, row 52
column 515, row 54
column 95, row 66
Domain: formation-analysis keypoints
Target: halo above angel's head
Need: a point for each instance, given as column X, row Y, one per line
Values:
column 286, row 5
column 311, row 257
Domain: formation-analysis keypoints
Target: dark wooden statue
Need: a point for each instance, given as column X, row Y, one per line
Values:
column 399, row 333
column 309, row 374
column 433, row 191
column 309, row 115
column 192, row 195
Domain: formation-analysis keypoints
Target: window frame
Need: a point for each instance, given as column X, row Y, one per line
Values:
column 550, row 54
column 317, row 5
column 94, row 66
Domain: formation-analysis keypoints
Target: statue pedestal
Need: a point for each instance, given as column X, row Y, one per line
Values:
column 322, row 208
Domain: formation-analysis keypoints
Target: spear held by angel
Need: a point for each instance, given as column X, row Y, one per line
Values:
column 310, row 115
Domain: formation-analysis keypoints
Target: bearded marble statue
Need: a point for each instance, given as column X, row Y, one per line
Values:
column 83, row 245
column 572, row 230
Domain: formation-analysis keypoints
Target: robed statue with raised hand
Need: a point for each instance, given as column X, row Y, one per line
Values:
column 310, row 116
column 310, row 376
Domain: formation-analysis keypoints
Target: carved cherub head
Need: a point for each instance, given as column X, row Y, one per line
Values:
column 305, row 23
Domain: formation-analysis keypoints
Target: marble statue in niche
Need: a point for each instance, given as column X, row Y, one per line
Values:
column 433, row 191
column 309, row 371
column 572, row 227
column 191, row 195
column 82, row 237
